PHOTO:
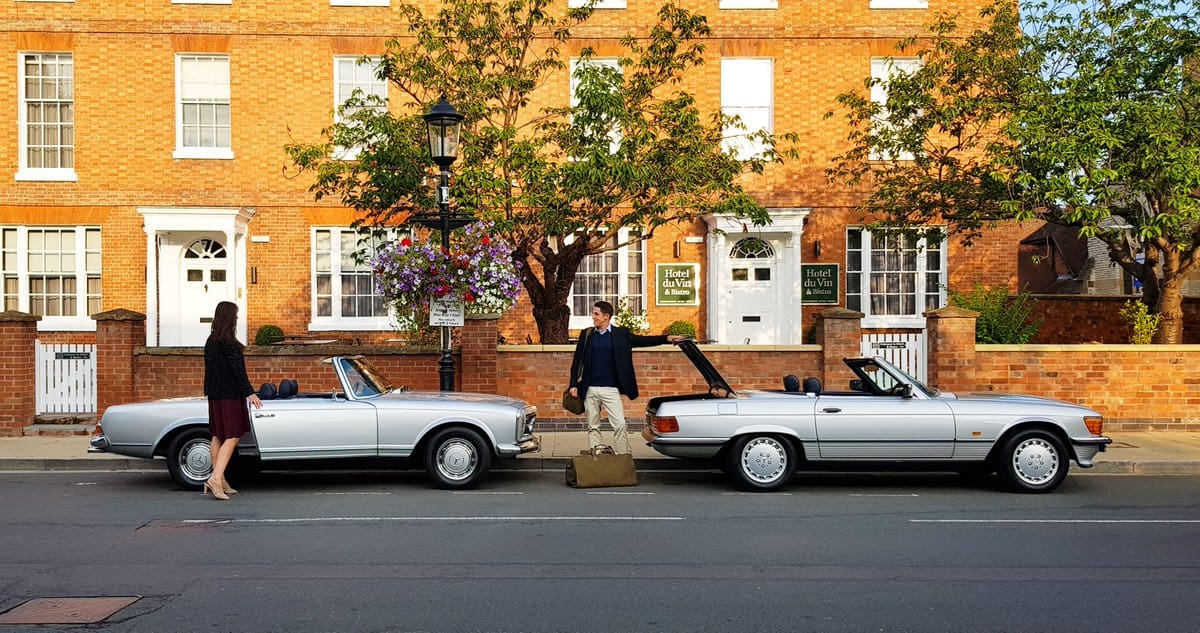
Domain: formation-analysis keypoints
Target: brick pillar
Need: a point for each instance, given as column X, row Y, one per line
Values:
column 950, row 334
column 839, row 333
column 118, row 332
column 18, row 378
column 479, row 356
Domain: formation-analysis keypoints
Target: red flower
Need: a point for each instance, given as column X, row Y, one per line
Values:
column 486, row 240
column 406, row 242
column 469, row 297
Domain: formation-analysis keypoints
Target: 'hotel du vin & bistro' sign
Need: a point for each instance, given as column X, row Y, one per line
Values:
column 819, row 283
column 677, row 285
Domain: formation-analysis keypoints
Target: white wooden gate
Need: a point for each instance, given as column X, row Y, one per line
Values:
column 66, row 378
column 905, row 350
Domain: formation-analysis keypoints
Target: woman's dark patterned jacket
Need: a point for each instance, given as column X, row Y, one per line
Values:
column 225, row 372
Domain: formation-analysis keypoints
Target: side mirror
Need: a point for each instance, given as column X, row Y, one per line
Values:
column 856, row 385
column 904, row 390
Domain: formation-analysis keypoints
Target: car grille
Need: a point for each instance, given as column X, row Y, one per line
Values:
column 526, row 430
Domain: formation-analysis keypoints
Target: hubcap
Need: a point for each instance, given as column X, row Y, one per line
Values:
column 196, row 459
column 456, row 459
column 1035, row 461
column 764, row 460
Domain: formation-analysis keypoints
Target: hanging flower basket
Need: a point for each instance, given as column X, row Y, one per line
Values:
column 479, row 269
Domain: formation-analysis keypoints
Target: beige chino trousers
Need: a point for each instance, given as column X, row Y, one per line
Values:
column 610, row 399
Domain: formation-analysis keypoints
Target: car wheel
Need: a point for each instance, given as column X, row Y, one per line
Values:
column 457, row 458
column 1033, row 461
column 762, row 462
column 189, row 459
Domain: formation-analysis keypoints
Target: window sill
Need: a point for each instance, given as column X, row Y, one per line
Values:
column 47, row 175
column 66, row 324
column 203, row 153
column 893, row 321
column 351, row 325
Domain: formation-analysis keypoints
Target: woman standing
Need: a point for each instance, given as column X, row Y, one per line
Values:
column 228, row 389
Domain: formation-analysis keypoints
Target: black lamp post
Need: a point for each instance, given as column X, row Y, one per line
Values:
column 443, row 123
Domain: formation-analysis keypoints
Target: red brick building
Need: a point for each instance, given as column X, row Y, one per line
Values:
column 146, row 171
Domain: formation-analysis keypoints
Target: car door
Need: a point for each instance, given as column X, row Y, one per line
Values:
column 868, row 427
column 311, row 427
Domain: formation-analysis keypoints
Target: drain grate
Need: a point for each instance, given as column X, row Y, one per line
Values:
column 66, row 610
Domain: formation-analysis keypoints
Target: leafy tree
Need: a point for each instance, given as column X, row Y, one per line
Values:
column 1085, row 113
column 633, row 150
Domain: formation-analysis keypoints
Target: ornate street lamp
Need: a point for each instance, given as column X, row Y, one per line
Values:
column 444, row 124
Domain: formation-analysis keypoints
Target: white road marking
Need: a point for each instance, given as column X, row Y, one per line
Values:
column 352, row 493
column 859, row 494
column 87, row 483
column 616, row 492
column 485, row 492
column 479, row 519
column 757, row 494
column 1054, row 520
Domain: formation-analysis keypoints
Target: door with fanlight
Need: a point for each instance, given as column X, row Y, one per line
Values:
column 751, row 290
column 203, row 283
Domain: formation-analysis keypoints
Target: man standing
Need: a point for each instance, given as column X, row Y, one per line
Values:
column 602, row 370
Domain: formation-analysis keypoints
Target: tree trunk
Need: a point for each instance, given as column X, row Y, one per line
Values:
column 1170, row 308
column 553, row 322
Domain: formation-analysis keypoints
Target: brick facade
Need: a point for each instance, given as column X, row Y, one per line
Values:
column 281, row 71
column 17, row 383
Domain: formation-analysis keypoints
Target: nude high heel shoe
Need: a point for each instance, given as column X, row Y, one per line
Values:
column 215, row 488
column 229, row 490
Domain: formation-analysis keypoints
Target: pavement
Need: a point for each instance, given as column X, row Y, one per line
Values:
column 1141, row 453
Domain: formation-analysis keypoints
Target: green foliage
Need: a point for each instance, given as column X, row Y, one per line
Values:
column 1142, row 324
column 268, row 335
column 633, row 150
column 1002, row 319
column 1081, row 113
column 681, row 328
column 625, row 317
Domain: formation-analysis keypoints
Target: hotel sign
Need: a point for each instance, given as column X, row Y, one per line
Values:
column 819, row 284
column 677, row 285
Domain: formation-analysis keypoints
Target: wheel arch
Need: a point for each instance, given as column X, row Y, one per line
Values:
column 1032, row 425
column 432, row 430
column 782, row 432
column 173, row 430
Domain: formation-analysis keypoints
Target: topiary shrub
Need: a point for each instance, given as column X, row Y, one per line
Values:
column 681, row 328
column 1002, row 319
column 268, row 335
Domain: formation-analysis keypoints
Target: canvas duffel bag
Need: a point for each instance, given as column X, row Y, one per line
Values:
column 601, row 469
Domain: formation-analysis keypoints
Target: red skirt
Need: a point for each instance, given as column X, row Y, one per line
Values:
column 228, row 419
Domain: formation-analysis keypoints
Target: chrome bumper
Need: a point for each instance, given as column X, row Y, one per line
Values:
column 531, row 445
column 99, row 444
column 1087, row 448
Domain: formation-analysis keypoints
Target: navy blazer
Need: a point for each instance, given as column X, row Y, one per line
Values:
column 623, row 343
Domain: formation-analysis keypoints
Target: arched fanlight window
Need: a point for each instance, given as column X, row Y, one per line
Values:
column 205, row 249
column 752, row 248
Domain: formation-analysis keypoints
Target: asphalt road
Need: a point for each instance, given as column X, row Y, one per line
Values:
column 312, row 552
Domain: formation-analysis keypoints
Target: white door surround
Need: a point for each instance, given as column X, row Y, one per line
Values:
column 767, row 311
column 211, row 244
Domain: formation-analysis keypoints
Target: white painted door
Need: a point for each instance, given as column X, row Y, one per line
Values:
column 752, row 293
column 203, row 283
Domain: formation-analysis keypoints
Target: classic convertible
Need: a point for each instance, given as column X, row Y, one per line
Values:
column 453, row 436
column 887, row 420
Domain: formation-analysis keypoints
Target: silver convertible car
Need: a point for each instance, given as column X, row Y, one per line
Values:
column 454, row 436
column 886, row 420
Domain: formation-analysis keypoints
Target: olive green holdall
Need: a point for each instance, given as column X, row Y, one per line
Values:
column 601, row 469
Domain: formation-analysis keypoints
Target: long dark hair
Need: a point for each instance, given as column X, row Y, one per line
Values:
column 223, row 324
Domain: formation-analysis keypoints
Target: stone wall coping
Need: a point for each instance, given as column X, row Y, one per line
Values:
column 120, row 314
column 839, row 313
column 1088, row 348
column 304, row 350
column 1097, row 298
column 16, row 316
column 518, row 349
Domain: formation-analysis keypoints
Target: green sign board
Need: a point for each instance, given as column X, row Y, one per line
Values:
column 819, row 283
column 677, row 285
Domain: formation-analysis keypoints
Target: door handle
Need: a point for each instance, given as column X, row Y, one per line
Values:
column 264, row 415
column 831, row 410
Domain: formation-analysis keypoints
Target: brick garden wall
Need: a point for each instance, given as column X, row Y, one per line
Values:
column 1096, row 319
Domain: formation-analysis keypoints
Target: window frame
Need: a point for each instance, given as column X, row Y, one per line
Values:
column 351, row 153
column 729, row 140
column 600, row 4
column 615, row 135
column 335, row 321
column 623, row 273
column 41, row 174
column 879, row 95
column 920, row 290
column 201, row 153
column 20, row 252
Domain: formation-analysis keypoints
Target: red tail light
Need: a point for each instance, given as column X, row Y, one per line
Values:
column 1094, row 425
column 667, row 424
column 98, row 430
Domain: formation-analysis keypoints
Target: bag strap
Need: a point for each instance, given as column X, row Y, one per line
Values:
column 586, row 332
